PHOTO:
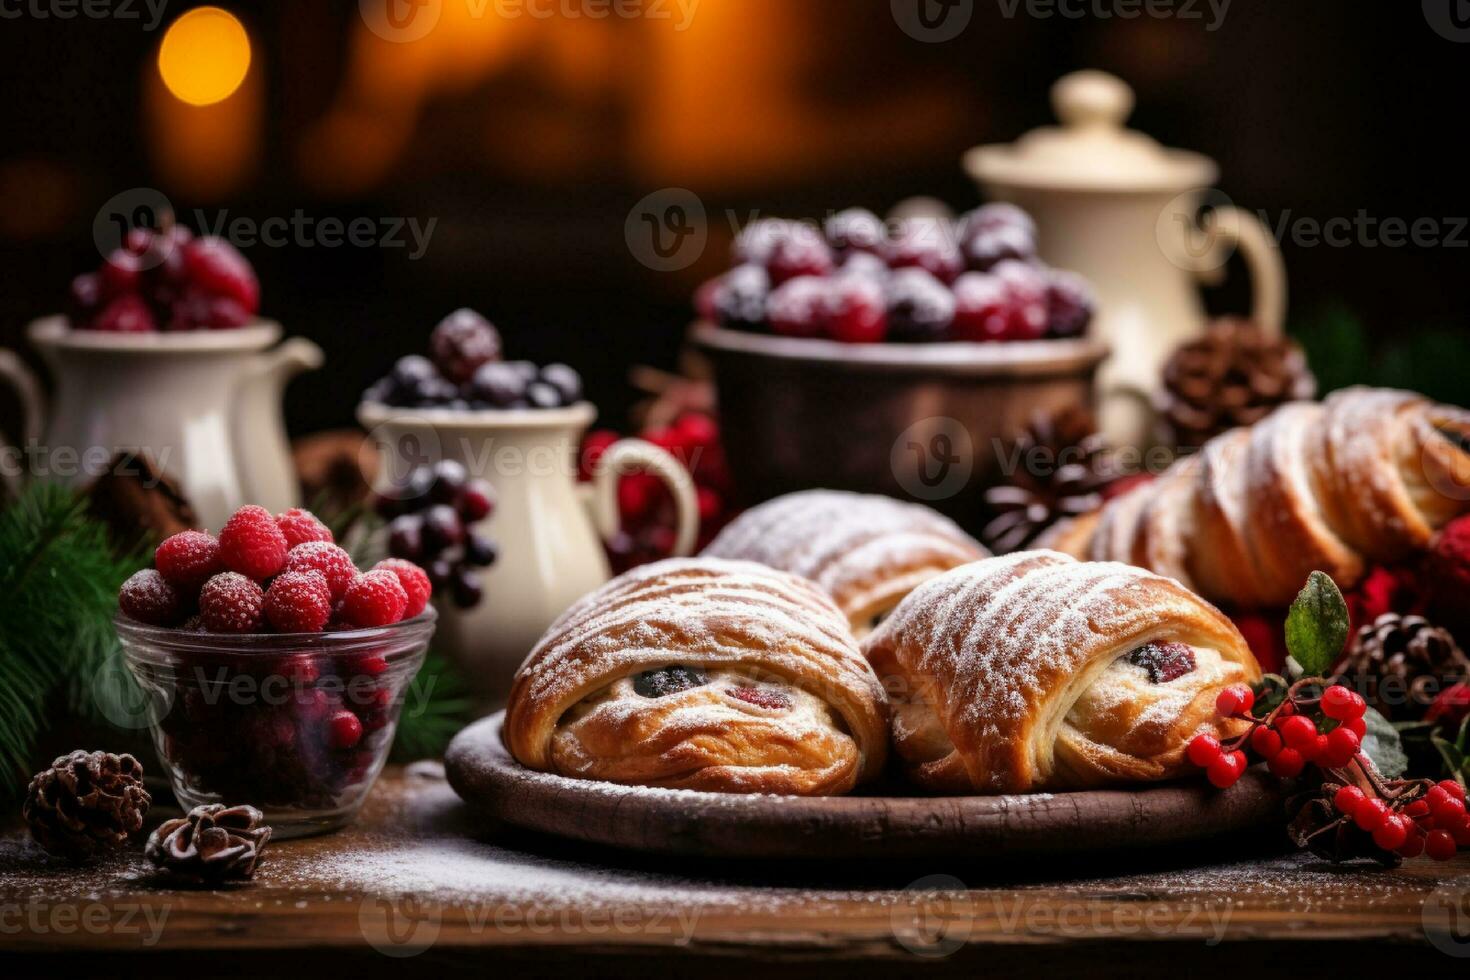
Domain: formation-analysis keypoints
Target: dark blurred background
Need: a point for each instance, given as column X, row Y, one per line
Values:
column 528, row 139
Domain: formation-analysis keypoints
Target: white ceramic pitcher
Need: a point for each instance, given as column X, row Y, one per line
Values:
column 205, row 405
column 1114, row 205
column 549, row 529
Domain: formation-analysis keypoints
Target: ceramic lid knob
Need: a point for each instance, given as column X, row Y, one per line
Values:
column 1092, row 98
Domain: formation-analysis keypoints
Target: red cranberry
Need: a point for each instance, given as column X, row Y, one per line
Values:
column 801, row 253
column 864, row 265
column 121, row 274
column 928, row 244
column 981, row 307
column 1164, row 662
column 126, row 314
column 344, row 730
column 795, row 309
column 1027, row 288
column 855, row 230
column 477, row 502
column 762, row 697
column 442, row 527
column 462, row 342
column 920, row 308
column 740, row 302
column 757, row 240
column 855, row 311
column 218, row 267
column 1070, row 304
column 990, row 217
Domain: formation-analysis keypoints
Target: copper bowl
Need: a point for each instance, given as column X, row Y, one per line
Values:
column 923, row 422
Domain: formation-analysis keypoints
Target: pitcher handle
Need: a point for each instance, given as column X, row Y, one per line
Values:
column 635, row 455
column 27, row 387
column 1229, row 228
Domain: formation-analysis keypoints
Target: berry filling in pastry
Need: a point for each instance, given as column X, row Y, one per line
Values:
column 691, row 728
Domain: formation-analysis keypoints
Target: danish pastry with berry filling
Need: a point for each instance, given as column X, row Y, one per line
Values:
column 1036, row 671
column 867, row 551
column 701, row 674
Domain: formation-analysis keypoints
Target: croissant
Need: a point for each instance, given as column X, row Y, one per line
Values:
column 1036, row 671
column 1364, row 478
column 701, row 674
column 866, row 551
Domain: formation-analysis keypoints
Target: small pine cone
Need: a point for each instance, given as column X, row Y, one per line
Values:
column 1234, row 375
column 86, row 804
column 1062, row 466
column 1400, row 663
column 213, row 843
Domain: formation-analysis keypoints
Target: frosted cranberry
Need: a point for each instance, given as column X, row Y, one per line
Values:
column 757, row 241
column 854, row 311
column 740, row 299
column 982, row 308
column 920, row 307
column 864, row 265
column 477, row 502
column 466, row 589
column 991, row 217
column 125, row 314
column 801, row 253
column 928, row 244
column 449, row 478
column 442, row 527
column 149, row 598
column 480, row 551
column 218, row 267
column 461, row 343
column 1070, row 304
column 983, row 250
column 120, row 274
column 1026, row 286
column 855, row 230
column 796, row 308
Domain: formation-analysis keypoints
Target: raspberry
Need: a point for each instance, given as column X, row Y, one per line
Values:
column 188, row 560
column 374, row 599
column 250, row 543
column 1203, row 749
column 1234, row 699
column 300, row 526
column 231, row 603
column 299, row 602
column 415, row 582
column 331, row 561
column 344, row 730
column 149, row 598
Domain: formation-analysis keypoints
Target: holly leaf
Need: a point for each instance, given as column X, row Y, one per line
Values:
column 1382, row 744
column 1317, row 626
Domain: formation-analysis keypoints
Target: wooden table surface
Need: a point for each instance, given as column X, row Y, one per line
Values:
column 419, row 885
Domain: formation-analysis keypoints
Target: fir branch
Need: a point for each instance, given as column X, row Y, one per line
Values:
column 435, row 708
column 58, row 593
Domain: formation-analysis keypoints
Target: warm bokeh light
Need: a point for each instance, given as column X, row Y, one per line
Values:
column 204, row 56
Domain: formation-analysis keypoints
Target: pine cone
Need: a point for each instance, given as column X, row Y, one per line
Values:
column 1234, row 375
column 1400, row 663
column 139, row 502
column 213, row 843
column 1062, row 465
column 87, row 803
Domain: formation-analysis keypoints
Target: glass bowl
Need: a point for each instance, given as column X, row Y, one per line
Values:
column 298, row 725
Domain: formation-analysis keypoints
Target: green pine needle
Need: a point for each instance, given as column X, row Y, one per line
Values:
column 58, row 591
column 435, row 708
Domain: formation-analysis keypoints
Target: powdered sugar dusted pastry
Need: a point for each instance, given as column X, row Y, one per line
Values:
column 1037, row 671
column 1364, row 478
column 867, row 551
column 701, row 674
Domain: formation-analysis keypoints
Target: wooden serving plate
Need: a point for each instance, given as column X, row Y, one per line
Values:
column 682, row 822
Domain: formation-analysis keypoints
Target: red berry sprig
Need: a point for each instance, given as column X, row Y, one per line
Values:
column 1321, row 724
